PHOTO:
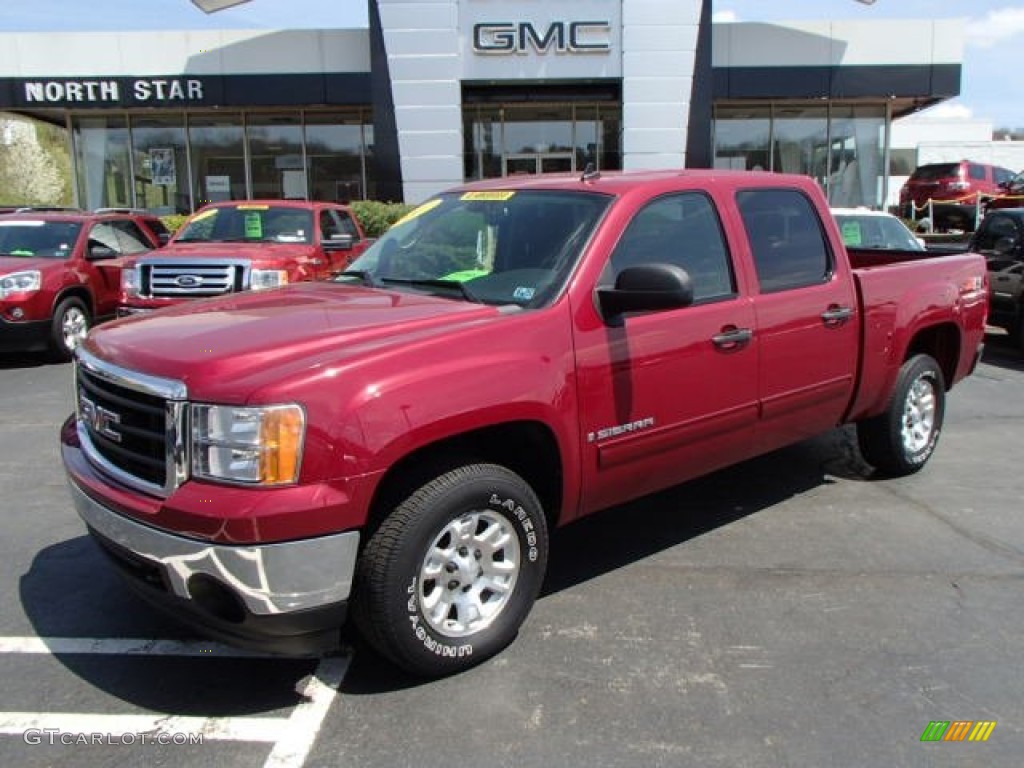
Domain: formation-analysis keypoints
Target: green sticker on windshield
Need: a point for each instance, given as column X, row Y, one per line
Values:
column 851, row 233
column 253, row 225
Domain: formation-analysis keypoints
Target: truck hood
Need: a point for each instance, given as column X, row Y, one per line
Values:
column 234, row 345
column 9, row 264
column 256, row 252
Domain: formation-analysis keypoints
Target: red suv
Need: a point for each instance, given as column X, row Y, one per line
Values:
column 60, row 272
column 957, row 191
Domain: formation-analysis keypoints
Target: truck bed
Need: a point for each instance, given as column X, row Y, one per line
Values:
column 901, row 292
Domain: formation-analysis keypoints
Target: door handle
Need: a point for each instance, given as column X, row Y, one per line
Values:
column 733, row 338
column 835, row 315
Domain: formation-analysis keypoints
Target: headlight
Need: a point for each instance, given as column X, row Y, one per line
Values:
column 130, row 281
column 262, row 446
column 260, row 279
column 20, row 282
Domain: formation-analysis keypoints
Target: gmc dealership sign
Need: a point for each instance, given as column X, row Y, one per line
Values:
column 557, row 36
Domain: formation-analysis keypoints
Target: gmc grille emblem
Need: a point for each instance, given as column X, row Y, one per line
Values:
column 98, row 418
column 188, row 281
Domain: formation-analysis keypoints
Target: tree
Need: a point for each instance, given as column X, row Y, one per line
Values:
column 35, row 164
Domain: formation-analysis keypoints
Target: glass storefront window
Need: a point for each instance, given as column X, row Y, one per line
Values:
column 610, row 128
column 218, row 158
column 519, row 139
column 586, row 143
column 103, row 162
column 275, row 153
column 534, row 134
column 800, row 142
column 857, row 143
column 484, row 142
column 334, row 150
column 161, row 165
column 743, row 138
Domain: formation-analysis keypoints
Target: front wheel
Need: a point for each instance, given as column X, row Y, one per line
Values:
column 70, row 324
column 453, row 571
column 900, row 440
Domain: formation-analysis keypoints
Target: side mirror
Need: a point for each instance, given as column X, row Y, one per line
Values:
column 341, row 242
column 99, row 251
column 1005, row 246
column 646, row 288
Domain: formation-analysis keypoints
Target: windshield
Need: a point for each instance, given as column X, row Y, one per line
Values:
column 886, row 232
column 47, row 239
column 935, row 172
column 249, row 223
column 495, row 247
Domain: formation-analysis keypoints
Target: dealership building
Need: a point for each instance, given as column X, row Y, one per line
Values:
column 437, row 92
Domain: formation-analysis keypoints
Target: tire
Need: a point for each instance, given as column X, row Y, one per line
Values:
column 71, row 322
column 900, row 441
column 450, row 575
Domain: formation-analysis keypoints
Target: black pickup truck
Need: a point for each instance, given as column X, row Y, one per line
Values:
column 1000, row 239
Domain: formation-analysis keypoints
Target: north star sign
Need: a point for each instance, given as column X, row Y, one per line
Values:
column 113, row 91
column 511, row 37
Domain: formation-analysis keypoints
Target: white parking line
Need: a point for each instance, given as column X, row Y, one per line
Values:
column 293, row 737
column 303, row 726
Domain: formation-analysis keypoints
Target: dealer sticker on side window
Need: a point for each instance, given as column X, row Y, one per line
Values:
column 523, row 293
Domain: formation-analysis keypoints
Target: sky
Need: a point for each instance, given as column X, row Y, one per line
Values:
column 993, row 30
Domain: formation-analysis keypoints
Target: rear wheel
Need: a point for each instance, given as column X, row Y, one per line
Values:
column 902, row 439
column 452, row 572
column 70, row 324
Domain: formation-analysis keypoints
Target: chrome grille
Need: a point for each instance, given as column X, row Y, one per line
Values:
column 131, row 425
column 181, row 278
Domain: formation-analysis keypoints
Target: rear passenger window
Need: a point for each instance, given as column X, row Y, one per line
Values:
column 786, row 239
column 976, row 171
column 681, row 229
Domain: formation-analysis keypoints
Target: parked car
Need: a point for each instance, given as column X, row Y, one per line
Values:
column 515, row 354
column 60, row 273
column 1000, row 239
column 1011, row 195
column 865, row 228
column 958, row 192
column 240, row 245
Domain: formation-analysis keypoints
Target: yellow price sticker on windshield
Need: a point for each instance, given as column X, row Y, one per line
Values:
column 417, row 212
column 252, row 207
column 205, row 214
column 495, row 196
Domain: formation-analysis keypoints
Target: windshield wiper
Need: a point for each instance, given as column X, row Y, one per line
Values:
column 359, row 274
column 462, row 288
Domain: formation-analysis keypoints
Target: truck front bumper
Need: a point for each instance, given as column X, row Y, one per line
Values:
column 289, row 597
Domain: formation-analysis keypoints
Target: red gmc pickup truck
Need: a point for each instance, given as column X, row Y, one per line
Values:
column 396, row 444
column 235, row 246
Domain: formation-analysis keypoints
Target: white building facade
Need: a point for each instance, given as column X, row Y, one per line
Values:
column 436, row 92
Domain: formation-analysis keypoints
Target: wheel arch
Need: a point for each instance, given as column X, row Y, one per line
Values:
column 528, row 448
column 942, row 342
column 75, row 292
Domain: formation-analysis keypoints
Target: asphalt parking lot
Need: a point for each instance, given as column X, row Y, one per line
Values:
column 791, row 611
